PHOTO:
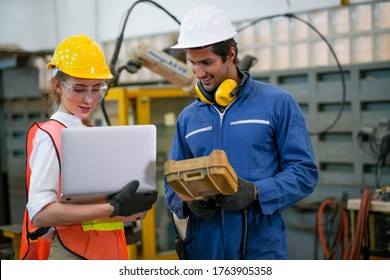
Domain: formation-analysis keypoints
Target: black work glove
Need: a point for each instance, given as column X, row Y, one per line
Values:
column 245, row 194
column 202, row 208
column 127, row 202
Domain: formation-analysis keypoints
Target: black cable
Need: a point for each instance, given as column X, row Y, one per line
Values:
column 118, row 45
column 340, row 72
column 244, row 235
column 289, row 15
column 179, row 242
column 332, row 227
column 119, row 41
column 381, row 160
column 103, row 106
column 335, row 220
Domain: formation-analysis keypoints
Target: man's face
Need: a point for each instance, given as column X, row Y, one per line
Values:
column 208, row 67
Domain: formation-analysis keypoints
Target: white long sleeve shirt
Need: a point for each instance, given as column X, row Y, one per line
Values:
column 44, row 181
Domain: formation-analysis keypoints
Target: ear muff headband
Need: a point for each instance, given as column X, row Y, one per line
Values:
column 224, row 94
column 203, row 95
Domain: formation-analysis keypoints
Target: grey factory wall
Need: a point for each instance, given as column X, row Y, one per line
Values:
column 346, row 162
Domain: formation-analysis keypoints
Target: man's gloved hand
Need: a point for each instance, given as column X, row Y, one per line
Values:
column 245, row 194
column 202, row 208
column 127, row 202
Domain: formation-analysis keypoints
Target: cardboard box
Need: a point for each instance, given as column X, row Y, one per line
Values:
column 201, row 177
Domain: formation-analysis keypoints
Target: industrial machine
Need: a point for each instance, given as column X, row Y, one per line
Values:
column 163, row 64
column 378, row 138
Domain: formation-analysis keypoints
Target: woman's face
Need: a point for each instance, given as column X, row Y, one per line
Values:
column 80, row 96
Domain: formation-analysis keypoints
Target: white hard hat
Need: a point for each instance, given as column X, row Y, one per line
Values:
column 203, row 26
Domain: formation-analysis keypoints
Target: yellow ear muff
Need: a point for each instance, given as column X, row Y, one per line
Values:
column 223, row 95
column 202, row 93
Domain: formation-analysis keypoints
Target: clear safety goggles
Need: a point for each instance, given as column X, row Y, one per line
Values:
column 80, row 92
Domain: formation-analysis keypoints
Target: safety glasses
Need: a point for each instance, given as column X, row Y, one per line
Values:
column 80, row 92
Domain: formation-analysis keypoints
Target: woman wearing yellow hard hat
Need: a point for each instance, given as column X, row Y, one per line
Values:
column 52, row 230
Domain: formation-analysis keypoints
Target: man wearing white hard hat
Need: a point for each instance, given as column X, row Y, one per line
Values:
column 263, row 132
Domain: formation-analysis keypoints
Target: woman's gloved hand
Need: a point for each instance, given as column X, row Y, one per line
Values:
column 127, row 202
column 202, row 208
column 246, row 194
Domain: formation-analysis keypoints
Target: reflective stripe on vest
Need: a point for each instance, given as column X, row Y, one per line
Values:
column 91, row 225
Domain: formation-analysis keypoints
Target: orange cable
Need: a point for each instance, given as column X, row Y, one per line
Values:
column 346, row 235
column 343, row 231
column 361, row 225
column 321, row 210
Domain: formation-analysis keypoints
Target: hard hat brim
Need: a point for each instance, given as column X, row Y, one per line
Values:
column 200, row 45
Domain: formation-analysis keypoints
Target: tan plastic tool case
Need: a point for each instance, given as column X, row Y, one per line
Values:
column 201, row 177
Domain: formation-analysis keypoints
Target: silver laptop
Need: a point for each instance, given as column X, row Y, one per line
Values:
column 97, row 162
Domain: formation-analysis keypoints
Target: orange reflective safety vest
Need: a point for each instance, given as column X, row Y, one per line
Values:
column 96, row 241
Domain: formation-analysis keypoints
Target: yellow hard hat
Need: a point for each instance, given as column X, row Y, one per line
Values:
column 81, row 57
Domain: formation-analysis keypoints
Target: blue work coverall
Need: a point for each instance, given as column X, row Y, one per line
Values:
column 264, row 135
